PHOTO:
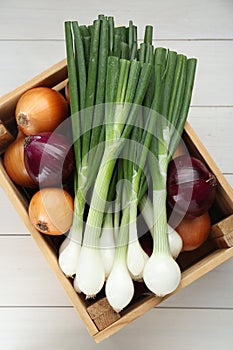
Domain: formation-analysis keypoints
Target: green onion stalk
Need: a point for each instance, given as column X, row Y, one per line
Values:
column 173, row 90
column 119, row 288
column 69, row 249
column 108, row 235
column 87, row 89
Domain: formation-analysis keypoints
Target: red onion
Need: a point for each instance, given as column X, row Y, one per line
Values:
column 49, row 158
column 191, row 187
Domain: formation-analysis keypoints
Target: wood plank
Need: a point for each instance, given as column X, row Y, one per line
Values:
column 42, row 288
column 225, row 241
column 175, row 328
column 27, row 280
column 102, row 313
column 222, row 233
column 214, row 127
column 224, row 227
column 38, row 328
column 19, row 61
column 229, row 178
column 186, row 20
column 11, row 223
column 198, row 293
column 60, row 328
column 213, row 86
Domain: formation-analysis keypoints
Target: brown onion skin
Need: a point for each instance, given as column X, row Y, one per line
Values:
column 51, row 211
column 194, row 232
column 14, row 163
column 40, row 109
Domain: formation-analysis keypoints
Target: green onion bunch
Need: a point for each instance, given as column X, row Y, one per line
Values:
column 129, row 102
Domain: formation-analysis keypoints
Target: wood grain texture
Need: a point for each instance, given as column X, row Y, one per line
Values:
column 229, row 178
column 37, row 286
column 11, row 223
column 59, row 328
column 33, row 57
column 31, row 282
column 213, row 85
column 32, row 39
column 210, row 19
column 214, row 127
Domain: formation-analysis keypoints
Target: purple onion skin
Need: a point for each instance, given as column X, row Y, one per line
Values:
column 191, row 187
column 49, row 158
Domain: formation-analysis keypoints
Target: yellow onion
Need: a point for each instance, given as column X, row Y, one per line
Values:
column 14, row 163
column 51, row 210
column 40, row 109
column 194, row 231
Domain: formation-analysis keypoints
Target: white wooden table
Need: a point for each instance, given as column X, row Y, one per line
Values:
column 34, row 311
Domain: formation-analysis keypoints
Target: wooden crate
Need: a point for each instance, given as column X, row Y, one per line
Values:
column 99, row 319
